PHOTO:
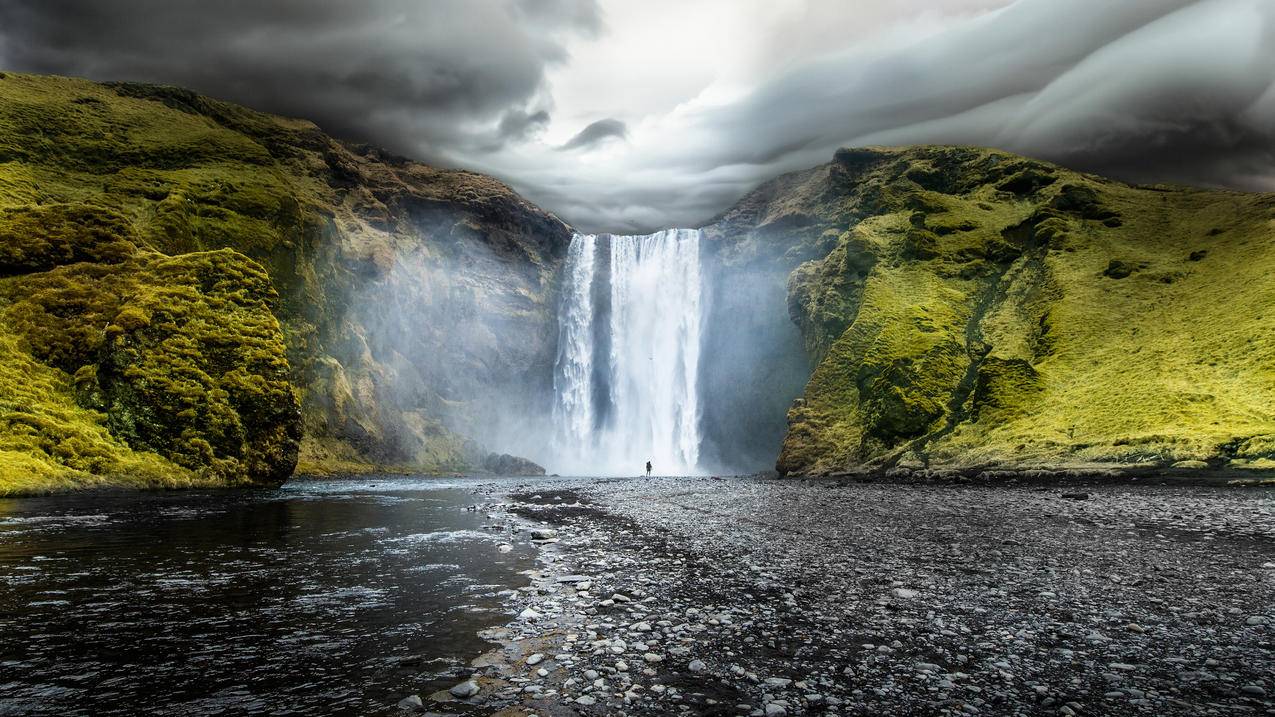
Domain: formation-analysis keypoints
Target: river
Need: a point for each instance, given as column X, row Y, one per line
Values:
column 320, row 597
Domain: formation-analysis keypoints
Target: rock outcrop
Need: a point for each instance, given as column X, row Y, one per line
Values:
column 504, row 464
column 970, row 308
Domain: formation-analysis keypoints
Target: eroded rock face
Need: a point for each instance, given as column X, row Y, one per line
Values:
column 967, row 307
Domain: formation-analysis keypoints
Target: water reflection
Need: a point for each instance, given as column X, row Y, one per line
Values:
column 317, row 598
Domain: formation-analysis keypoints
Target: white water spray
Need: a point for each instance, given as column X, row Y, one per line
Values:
column 639, row 401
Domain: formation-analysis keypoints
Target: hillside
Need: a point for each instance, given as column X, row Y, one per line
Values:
column 967, row 308
column 194, row 293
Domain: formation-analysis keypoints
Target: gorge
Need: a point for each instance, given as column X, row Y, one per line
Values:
column 602, row 358
column 198, row 294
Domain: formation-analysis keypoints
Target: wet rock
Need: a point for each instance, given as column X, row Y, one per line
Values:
column 411, row 702
column 778, row 682
column 465, row 689
column 506, row 465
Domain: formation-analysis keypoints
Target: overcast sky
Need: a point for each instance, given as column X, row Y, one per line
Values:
column 624, row 115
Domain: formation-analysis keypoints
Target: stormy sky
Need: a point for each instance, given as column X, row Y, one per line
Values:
column 622, row 115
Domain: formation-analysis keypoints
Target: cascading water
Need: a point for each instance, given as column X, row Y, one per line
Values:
column 625, row 381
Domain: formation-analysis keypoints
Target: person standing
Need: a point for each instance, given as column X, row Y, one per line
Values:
column 648, row 469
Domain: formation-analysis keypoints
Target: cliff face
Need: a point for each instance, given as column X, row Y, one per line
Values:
column 967, row 307
column 193, row 293
column 190, row 287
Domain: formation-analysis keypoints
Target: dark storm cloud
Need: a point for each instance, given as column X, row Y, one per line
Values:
column 1145, row 90
column 597, row 132
column 519, row 124
column 420, row 77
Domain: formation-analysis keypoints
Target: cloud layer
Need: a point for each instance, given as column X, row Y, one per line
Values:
column 669, row 129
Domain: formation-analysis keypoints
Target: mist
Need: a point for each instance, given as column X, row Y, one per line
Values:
column 460, row 347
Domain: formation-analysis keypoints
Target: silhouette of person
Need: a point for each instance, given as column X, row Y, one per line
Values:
column 648, row 469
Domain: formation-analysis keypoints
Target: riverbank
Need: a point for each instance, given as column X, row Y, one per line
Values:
column 751, row 596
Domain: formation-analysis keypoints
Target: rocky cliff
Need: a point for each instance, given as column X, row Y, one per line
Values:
column 970, row 308
column 196, row 293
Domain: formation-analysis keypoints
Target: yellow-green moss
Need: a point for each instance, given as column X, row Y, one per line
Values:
column 48, row 442
column 991, row 329
column 92, row 174
column 181, row 354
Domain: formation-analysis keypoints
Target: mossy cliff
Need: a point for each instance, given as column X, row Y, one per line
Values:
column 970, row 308
column 190, row 287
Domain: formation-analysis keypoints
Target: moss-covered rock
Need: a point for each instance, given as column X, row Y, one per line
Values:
column 982, row 309
column 108, row 191
column 181, row 355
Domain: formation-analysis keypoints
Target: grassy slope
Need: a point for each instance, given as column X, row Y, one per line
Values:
column 978, row 309
column 107, row 175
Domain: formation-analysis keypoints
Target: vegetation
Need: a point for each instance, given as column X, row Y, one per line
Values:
column 183, row 271
column 980, row 309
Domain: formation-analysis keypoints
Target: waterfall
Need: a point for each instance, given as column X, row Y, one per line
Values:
column 573, row 404
column 625, row 381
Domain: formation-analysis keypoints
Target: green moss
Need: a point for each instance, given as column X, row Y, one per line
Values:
column 98, row 180
column 35, row 238
column 1020, row 314
column 48, row 442
column 180, row 354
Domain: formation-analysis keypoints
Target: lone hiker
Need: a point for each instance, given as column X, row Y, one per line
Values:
column 648, row 469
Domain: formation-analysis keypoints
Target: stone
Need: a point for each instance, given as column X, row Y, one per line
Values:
column 411, row 702
column 777, row 682
column 535, row 659
column 468, row 688
column 904, row 593
column 774, row 710
column 696, row 666
column 503, row 464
